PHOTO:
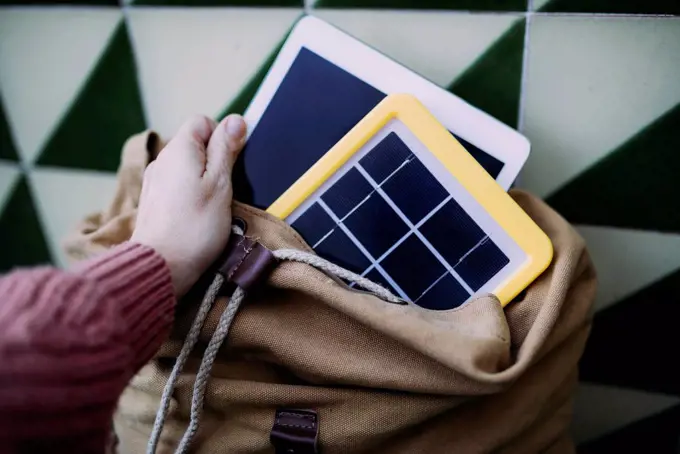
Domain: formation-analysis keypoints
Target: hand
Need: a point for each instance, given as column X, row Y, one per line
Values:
column 185, row 206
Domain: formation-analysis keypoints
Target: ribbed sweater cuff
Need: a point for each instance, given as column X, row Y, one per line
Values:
column 137, row 279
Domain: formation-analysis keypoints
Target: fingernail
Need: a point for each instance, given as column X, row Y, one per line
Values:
column 236, row 127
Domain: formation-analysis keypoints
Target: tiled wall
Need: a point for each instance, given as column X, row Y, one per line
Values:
column 594, row 84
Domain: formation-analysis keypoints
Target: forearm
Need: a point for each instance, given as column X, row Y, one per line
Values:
column 70, row 342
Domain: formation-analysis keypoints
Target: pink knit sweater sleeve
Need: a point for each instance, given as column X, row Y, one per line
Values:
column 71, row 340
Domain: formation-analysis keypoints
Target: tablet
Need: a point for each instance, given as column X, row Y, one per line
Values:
column 321, row 84
column 400, row 201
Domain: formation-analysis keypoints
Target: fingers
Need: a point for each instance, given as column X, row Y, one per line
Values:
column 198, row 128
column 225, row 144
column 187, row 148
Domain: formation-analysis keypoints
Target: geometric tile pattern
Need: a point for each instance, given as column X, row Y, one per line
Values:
column 105, row 112
column 21, row 230
column 7, row 147
column 616, row 189
column 593, row 84
column 46, row 57
column 633, row 341
column 493, row 82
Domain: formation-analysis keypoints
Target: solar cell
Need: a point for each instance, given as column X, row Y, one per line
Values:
column 445, row 293
column 346, row 194
column 452, row 232
column 386, row 157
column 415, row 191
column 481, row 264
column 338, row 248
column 376, row 225
column 412, row 266
column 314, row 224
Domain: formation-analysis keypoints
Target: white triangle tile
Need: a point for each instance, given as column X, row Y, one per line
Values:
column 629, row 260
column 46, row 55
column 592, row 83
column 599, row 410
column 8, row 177
column 64, row 197
column 196, row 60
column 436, row 44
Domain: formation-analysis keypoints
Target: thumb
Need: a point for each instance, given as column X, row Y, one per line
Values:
column 225, row 144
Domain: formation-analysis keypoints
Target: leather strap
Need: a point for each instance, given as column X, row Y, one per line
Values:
column 295, row 431
column 246, row 261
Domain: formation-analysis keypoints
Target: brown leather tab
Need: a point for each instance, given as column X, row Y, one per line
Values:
column 246, row 261
column 295, row 431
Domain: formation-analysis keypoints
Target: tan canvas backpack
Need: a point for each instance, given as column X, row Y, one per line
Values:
column 312, row 365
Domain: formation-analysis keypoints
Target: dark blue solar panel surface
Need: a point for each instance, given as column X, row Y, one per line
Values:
column 386, row 157
column 316, row 104
column 452, row 232
column 481, row 264
column 347, row 192
column 436, row 264
column 444, row 294
column 338, row 248
column 408, row 256
column 314, row 224
column 376, row 225
column 414, row 191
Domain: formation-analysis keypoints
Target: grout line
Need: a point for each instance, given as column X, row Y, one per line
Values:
column 25, row 166
column 525, row 63
column 308, row 6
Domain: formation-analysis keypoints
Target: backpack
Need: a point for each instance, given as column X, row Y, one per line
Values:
column 310, row 364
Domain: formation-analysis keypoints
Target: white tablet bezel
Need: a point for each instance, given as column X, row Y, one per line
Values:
column 388, row 76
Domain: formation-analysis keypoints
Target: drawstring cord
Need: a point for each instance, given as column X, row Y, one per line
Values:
column 221, row 333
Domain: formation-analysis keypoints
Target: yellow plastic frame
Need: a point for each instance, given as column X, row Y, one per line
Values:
column 472, row 176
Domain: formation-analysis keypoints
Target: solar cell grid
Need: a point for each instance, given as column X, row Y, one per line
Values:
column 388, row 218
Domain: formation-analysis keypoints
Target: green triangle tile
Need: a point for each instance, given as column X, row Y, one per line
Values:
column 609, row 6
column 7, row 147
column 634, row 186
column 105, row 113
column 240, row 103
column 298, row 3
column 21, row 236
column 475, row 5
column 641, row 322
column 658, row 433
column 493, row 83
